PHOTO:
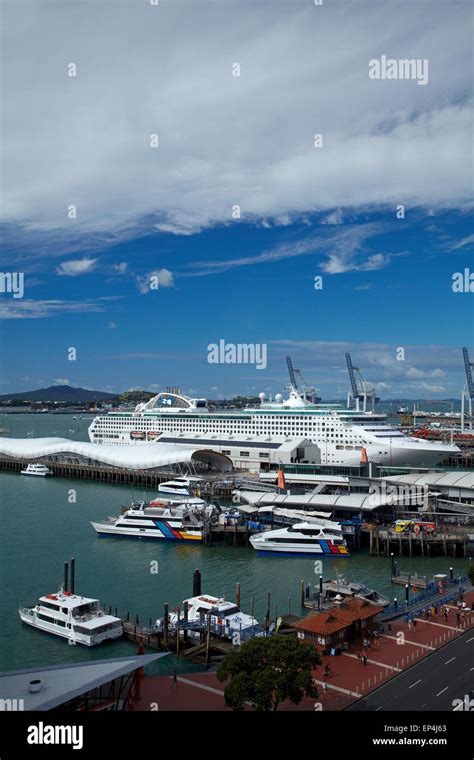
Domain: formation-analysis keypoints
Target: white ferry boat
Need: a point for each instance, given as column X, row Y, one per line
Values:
column 226, row 617
column 340, row 433
column 76, row 618
column 304, row 538
column 179, row 486
column 178, row 523
column 40, row 470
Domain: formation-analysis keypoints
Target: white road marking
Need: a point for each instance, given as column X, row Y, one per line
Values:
column 414, row 684
column 440, row 692
column 448, row 661
column 379, row 708
column 471, row 639
column 415, row 643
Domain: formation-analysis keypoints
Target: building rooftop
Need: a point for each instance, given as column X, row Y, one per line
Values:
column 61, row 683
column 338, row 618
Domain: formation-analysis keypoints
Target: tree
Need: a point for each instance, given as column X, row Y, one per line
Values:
column 267, row 671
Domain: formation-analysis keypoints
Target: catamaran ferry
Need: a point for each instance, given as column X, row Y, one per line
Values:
column 340, row 434
column 323, row 538
column 178, row 523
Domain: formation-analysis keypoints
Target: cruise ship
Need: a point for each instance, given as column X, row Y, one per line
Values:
column 341, row 434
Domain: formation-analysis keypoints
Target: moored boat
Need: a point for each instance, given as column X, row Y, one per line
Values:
column 177, row 523
column 308, row 538
column 226, row 618
column 79, row 619
column 40, row 470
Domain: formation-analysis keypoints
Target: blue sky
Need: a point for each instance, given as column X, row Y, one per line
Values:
column 226, row 140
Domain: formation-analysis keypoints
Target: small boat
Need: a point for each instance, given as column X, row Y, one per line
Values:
column 178, row 486
column 40, row 470
column 178, row 523
column 226, row 618
column 310, row 538
column 343, row 588
column 79, row 619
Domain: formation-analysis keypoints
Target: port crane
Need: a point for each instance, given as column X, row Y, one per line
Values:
column 366, row 392
column 468, row 390
column 299, row 384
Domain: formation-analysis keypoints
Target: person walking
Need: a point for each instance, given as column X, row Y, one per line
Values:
column 414, row 623
column 325, row 687
column 446, row 613
column 364, row 659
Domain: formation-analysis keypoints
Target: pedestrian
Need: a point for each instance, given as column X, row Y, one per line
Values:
column 446, row 613
column 369, row 645
column 175, row 677
column 365, row 659
column 409, row 624
column 458, row 617
column 414, row 623
column 390, row 628
column 325, row 687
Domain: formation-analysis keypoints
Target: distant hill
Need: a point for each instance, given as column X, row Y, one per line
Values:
column 59, row 393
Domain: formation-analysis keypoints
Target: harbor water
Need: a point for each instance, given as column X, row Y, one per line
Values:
column 46, row 521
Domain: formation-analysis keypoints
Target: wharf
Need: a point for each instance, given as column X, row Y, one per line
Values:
column 446, row 540
column 349, row 679
column 213, row 486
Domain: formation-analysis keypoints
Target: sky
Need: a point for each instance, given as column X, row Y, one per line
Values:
column 181, row 174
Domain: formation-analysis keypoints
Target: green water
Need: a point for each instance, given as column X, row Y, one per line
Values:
column 41, row 528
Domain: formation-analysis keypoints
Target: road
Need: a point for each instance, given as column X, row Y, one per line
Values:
column 431, row 684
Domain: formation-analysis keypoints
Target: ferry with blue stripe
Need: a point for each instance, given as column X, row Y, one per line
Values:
column 145, row 521
column 322, row 538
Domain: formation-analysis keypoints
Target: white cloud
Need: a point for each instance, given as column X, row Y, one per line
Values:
column 226, row 140
column 61, row 381
column 163, row 277
column 335, row 217
column 76, row 267
column 119, row 268
column 111, row 325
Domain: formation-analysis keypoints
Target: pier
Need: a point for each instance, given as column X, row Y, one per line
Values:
column 447, row 541
column 213, row 486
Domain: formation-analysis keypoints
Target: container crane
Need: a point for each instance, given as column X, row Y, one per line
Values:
column 366, row 392
column 299, row 384
column 468, row 390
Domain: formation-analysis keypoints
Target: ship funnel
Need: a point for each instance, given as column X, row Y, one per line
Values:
column 66, row 574
column 73, row 563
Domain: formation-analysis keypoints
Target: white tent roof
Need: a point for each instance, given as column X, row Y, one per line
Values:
column 353, row 501
column 128, row 456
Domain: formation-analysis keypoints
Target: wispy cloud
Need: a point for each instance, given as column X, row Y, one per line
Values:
column 342, row 248
column 76, row 267
column 28, row 309
column 469, row 240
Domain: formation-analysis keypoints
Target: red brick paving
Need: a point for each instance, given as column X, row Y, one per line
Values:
column 203, row 691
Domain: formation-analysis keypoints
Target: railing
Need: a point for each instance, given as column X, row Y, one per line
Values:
column 430, row 593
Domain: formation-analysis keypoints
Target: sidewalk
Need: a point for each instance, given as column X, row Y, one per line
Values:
column 394, row 651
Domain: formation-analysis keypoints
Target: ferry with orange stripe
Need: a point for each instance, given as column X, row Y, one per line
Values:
column 146, row 521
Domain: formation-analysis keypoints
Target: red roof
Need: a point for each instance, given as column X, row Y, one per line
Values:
column 338, row 618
